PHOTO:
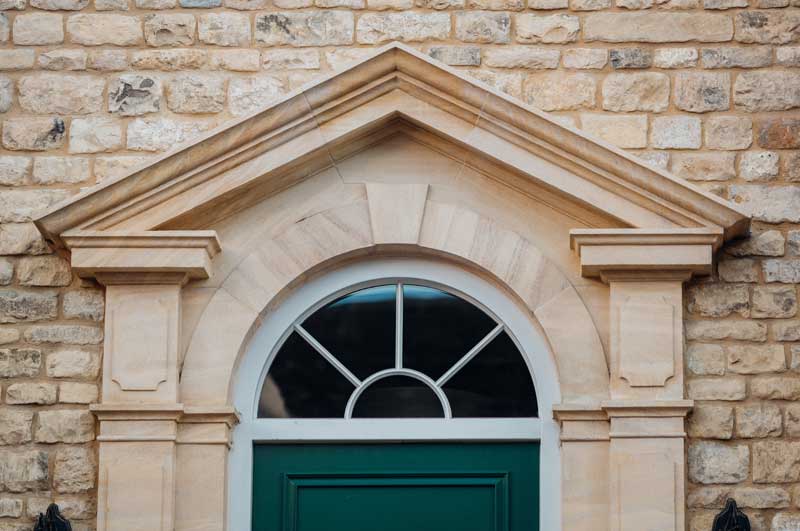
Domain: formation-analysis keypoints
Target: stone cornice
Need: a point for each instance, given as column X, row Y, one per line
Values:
column 644, row 254
column 396, row 67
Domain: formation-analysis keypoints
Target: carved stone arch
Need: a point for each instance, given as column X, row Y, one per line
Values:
column 372, row 226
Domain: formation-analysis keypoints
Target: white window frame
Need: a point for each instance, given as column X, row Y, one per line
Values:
column 320, row 290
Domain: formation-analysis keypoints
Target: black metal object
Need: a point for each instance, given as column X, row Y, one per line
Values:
column 730, row 519
column 53, row 521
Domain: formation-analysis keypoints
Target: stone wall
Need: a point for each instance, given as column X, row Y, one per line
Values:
column 707, row 88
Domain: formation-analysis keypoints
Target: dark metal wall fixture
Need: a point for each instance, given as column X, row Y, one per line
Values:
column 731, row 518
column 53, row 521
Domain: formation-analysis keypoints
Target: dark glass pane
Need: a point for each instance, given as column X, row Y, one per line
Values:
column 358, row 329
column 438, row 329
column 398, row 396
column 302, row 384
column 495, row 383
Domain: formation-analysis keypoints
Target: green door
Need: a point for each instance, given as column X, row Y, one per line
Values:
column 396, row 487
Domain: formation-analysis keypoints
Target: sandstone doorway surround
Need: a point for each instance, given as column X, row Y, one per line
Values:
column 397, row 155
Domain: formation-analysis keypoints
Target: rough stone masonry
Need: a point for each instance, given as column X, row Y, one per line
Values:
column 707, row 88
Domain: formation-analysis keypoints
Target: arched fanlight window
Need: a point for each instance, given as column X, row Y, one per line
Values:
column 398, row 350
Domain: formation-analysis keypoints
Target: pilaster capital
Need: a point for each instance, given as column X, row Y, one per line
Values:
column 645, row 254
column 147, row 257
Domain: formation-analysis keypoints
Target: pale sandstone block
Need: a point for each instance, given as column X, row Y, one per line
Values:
column 724, row 4
column 559, row 92
column 8, row 335
column 98, row 29
column 74, row 470
column 59, row 5
column 548, row 4
column 675, row 132
column 716, row 330
column 522, row 57
column 755, row 359
column 49, row 270
column 326, row 28
column 66, row 334
column 767, row 27
column 738, row 270
column 94, row 135
column 108, row 60
column 589, row 5
column 704, row 166
column 38, row 28
column 647, row 91
column 72, row 364
column 341, row 58
column 767, row 91
column 113, row 167
column 173, row 29
column 31, row 393
column 61, row 94
column 303, row 59
column 7, row 5
column 19, row 59
column 497, row 5
column 57, row 170
column 170, row 60
column 729, row 389
column 776, row 462
column 247, row 5
column 787, row 55
column 705, row 359
column 381, row 5
column 63, row 60
column 483, row 27
column 21, row 238
column 374, row 28
column 134, row 95
column 19, row 362
column 224, row 29
column 758, row 421
column 77, row 393
column 65, row 425
column 508, row 82
column 765, row 243
column 585, row 58
column 557, row 28
column 711, row 462
column 25, row 205
column 456, row 55
column 711, row 422
column 761, row 497
column 729, row 132
column 775, row 388
column 158, row 134
column 736, row 57
column 759, row 165
column 702, row 91
column 15, row 171
column 249, row 94
column 440, row 4
column 16, row 429
column 23, row 471
column 622, row 131
column 675, row 58
column 657, row 27
column 235, row 60
column 111, row 5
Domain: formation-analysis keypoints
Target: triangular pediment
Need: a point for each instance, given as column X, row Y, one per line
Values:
column 398, row 91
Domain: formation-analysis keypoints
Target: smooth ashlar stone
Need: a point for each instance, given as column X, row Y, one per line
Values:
column 134, row 95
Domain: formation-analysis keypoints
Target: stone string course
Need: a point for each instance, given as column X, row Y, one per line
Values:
column 707, row 88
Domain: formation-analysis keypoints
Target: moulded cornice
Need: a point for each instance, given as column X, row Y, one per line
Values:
column 296, row 128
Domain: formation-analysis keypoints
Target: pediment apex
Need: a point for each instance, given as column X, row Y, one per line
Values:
column 393, row 68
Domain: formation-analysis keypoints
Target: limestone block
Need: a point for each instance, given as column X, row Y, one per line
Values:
column 792, row 420
column 705, row 359
column 767, row 90
column 17, row 306
column 18, row 59
column 134, row 95
column 74, row 470
column 776, row 461
column 108, row 60
column 774, row 301
column 38, row 28
column 786, row 330
column 94, row 135
column 305, row 29
column 65, row 425
column 711, row 422
column 716, row 389
column 224, row 29
column 758, row 421
column 785, row 271
column 788, row 55
column 374, row 28
column 33, row 134
column 173, row 29
column 557, row 91
column 84, row 304
column 755, row 359
column 761, row 497
column 522, row 57
column 785, row 522
column 767, row 27
column 67, row 334
column 719, row 300
column 585, row 58
column 675, row 58
column 705, row 166
column 157, row 134
column 23, row 471
column 60, row 170
column 235, row 60
column 15, row 362
column 711, row 462
column 49, row 270
column 25, row 205
column 736, row 57
column 483, row 27
column 10, row 507
column 510, row 83
column 9, row 335
column 631, row 58
column 31, row 393
column 249, row 94
column 63, row 60
column 98, row 29
column 179, row 59
column 16, row 428
column 729, row 132
column 675, row 132
column 281, row 59
column 779, row 133
column 622, row 131
column 775, row 388
column 72, row 363
column 657, row 27
column 14, row 171
column 636, row 92
column 559, row 28
column 702, row 91
column 6, row 271
column 759, row 165
column 112, row 167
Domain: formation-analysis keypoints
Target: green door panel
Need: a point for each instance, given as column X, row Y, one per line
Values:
column 394, row 487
